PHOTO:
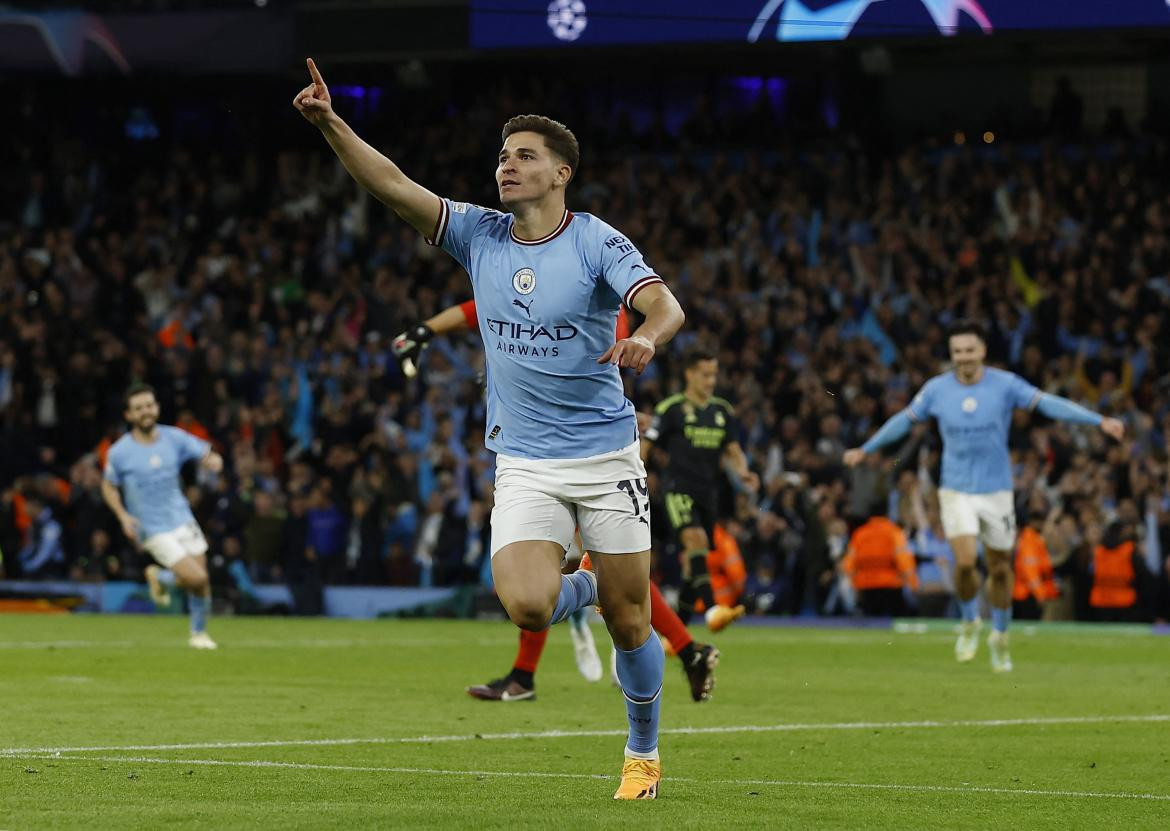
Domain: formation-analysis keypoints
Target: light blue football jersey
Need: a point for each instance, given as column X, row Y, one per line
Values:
column 974, row 420
column 148, row 475
column 547, row 310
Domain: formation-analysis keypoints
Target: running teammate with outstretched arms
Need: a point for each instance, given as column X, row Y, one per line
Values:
column 973, row 406
column 548, row 286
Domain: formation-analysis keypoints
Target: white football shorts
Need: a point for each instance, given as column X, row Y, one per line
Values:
column 604, row 496
column 989, row 516
column 169, row 547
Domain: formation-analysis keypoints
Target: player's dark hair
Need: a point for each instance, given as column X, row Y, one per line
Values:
column 967, row 326
column 557, row 137
column 137, row 388
column 696, row 355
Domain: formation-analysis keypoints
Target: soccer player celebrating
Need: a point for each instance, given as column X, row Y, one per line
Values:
column 973, row 405
column 548, row 285
column 698, row 660
column 698, row 430
column 144, row 464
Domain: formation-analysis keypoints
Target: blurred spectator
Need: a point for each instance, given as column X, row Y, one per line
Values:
column 763, row 586
column 1119, row 574
column 881, row 567
column 299, row 560
column 936, row 566
column 327, row 527
column 43, row 555
column 262, row 535
column 363, row 548
column 1035, row 582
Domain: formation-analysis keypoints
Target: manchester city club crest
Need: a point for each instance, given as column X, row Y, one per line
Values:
column 524, row 281
column 970, row 404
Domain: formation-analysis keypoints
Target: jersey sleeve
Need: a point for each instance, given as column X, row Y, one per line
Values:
column 455, row 228
column 469, row 315
column 921, row 408
column 731, row 433
column 1022, row 394
column 190, row 447
column 622, row 265
column 663, row 424
column 110, row 472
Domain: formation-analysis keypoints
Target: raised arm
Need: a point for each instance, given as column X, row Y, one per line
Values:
column 373, row 171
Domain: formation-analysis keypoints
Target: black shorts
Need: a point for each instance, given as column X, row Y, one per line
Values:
column 693, row 509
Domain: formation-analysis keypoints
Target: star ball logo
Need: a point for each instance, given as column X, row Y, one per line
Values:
column 566, row 19
column 524, row 281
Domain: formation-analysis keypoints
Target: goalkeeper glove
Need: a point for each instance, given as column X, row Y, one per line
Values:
column 407, row 347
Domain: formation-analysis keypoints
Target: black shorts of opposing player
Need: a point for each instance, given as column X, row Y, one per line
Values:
column 690, row 507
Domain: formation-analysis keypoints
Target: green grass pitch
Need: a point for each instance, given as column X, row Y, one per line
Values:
column 112, row 722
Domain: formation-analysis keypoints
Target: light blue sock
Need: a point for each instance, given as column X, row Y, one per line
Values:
column 640, row 673
column 197, row 606
column 969, row 609
column 577, row 591
column 166, row 577
column 1000, row 618
column 579, row 619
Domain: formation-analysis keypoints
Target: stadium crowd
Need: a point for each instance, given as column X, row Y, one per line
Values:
column 258, row 292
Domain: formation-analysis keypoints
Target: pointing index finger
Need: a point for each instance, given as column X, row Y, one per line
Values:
column 314, row 73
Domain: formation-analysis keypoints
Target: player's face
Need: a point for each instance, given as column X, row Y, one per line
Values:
column 528, row 170
column 967, row 352
column 702, row 376
column 142, row 411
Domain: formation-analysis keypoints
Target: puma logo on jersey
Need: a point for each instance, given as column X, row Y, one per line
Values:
column 527, row 309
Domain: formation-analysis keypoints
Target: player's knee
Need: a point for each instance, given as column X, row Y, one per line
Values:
column 192, row 579
column 628, row 625
column 694, row 539
column 1001, row 570
column 530, row 613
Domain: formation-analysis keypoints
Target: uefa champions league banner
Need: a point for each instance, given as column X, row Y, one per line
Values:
column 74, row 43
column 541, row 23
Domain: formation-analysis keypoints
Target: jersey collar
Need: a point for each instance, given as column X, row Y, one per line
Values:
column 561, row 226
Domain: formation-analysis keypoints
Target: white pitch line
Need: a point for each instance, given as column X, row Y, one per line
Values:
column 66, row 644
column 564, row 734
column 253, row 643
column 785, row 783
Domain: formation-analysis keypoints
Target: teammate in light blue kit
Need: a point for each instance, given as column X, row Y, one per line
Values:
column 548, row 285
column 973, row 406
column 141, row 486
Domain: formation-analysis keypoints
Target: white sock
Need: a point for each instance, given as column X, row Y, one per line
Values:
column 651, row 756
